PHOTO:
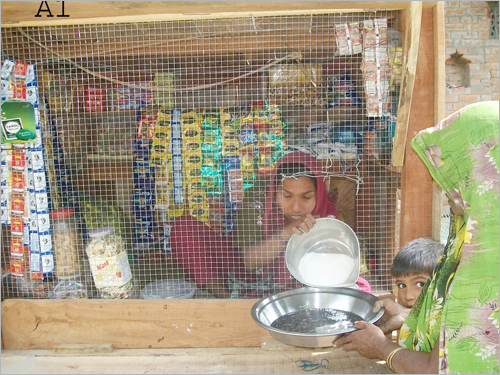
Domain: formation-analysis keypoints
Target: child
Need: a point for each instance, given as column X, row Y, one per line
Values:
column 412, row 267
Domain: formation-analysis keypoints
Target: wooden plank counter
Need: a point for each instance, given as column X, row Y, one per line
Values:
column 130, row 324
column 270, row 360
column 158, row 337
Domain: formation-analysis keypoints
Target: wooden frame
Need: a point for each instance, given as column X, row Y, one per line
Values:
column 45, row 324
column 19, row 15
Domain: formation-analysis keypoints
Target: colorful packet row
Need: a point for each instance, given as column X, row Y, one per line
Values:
column 143, row 174
column 31, row 243
column 211, row 149
column 161, row 160
column 176, row 144
column 192, row 154
column 376, row 68
column 232, row 159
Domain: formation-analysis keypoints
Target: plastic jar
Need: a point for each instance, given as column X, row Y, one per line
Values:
column 66, row 242
column 168, row 289
column 109, row 263
column 69, row 289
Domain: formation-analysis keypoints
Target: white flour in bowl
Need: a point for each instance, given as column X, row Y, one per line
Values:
column 325, row 269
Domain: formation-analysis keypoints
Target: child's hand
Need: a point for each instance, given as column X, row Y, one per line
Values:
column 394, row 315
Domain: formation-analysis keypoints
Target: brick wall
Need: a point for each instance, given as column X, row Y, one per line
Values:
column 472, row 77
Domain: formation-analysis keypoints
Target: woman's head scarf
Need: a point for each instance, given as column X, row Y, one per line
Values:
column 274, row 219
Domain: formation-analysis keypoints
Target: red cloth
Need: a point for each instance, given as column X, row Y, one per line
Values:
column 204, row 254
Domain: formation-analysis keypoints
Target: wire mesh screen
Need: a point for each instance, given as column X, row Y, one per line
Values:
column 176, row 159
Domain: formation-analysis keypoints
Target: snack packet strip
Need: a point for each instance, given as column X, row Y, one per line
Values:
column 211, row 151
column 41, row 253
column 146, row 162
column 177, row 157
column 193, row 157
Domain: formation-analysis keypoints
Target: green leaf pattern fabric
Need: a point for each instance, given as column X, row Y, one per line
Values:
column 460, row 302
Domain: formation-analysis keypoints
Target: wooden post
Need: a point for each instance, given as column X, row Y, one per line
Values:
column 411, row 46
column 416, row 182
column 439, row 106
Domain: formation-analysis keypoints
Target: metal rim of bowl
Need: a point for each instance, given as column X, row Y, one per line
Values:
column 287, row 293
column 299, row 277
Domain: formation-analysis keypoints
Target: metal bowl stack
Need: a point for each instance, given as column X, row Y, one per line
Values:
column 326, row 259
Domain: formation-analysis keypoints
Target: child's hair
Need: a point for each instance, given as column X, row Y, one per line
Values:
column 417, row 256
column 286, row 170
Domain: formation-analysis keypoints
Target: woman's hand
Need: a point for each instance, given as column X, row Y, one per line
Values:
column 368, row 341
column 298, row 227
column 394, row 315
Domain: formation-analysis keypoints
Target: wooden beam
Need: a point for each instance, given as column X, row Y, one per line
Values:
column 46, row 324
column 439, row 62
column 270, row 359
column 125, row 52
column 131, row 324
column 439, row 105
column 411, row 44
column 416, row 182
column 21, row 14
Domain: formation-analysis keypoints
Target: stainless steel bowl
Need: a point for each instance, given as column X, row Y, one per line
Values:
column 269, row 309
column 327, row 236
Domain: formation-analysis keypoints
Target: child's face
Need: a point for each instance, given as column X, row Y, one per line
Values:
column 409, row 287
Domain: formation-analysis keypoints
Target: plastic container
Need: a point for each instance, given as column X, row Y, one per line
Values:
column 109, row 263
column 22, row 287
column 69, row 289
column 168, row 289
column 66, row 242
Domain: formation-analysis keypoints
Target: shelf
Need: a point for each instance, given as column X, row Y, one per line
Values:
column 110, row 157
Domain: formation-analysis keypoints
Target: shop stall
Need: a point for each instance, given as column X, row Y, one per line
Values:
column 138, row 114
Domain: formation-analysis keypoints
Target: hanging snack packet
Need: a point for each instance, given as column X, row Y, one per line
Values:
column 341, row 31
column 355, row 38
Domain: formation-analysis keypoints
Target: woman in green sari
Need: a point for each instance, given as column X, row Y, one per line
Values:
column 453, row 326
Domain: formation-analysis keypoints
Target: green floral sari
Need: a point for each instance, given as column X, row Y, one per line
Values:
column 460, row 302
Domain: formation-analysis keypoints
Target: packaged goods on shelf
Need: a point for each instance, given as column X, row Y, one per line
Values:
column 342, row 91
column 376, row 69
column 348, row 38
column 98, row 212
column 163, row 83
column 132, row 98
column 147, row 158
column 379, row 137
column 192, row 161
column 69, row 289
column 91, row 98
column 330, row 141
column 396, row 62
column 109, row 264
column 66, row 242
column 295, row 84
column 25, row 185
column 114, row 137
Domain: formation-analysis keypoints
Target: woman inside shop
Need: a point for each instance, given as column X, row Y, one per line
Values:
column 453, row 326
column 250, row 263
